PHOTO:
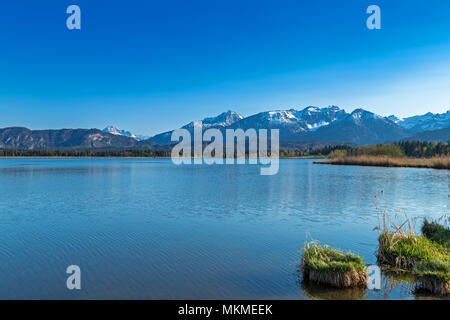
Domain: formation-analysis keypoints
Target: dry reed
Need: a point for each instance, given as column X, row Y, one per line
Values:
column 442, row 162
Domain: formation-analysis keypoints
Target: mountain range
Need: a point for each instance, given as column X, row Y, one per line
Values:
column 23, row 138
column 308, row 126
column 330, row 124
column 119, row 132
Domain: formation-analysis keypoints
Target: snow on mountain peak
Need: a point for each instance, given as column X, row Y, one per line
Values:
column 224, row 119
column 312, row 109
column 302, row 123
column 361, row 114
column 118, row 132
column 281, row 116
column 308, row 119
column 428, row 121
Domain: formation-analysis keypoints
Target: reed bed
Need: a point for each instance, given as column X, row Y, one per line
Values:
column 442, row 162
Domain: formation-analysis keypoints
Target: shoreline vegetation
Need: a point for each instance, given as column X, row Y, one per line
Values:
column 328, row 266
column 408, row 153
column 441, row 162
column 141, row 153
column 425, row 256
column 136, row 153
column 403, row 154
column 119, row 157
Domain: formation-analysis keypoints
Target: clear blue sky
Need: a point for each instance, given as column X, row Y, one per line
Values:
column 149, row 66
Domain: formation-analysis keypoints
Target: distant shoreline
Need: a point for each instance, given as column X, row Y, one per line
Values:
column 96, row 157
column 442, row 162
column 73, row 157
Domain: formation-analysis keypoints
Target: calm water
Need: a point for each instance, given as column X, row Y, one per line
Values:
column 150, row 229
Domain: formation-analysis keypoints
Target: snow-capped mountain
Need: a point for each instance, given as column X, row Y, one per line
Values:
column 23, row 138
column 119, row 132
column 330, row 124
column 294, row 121
column 222, row 121
column 427, row 122
column 360, row 127
column 309, row 126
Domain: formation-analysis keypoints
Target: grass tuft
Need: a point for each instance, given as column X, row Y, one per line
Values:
column 437, row 233
column 434, row 276
column 426, row 257
column 324, row 265
column 405, row 252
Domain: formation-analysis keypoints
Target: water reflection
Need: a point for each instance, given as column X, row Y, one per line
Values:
column 150, row 229
column 315, row 291
column 394, row 285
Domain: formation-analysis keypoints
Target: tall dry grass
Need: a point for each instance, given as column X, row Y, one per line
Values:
column 442, row 162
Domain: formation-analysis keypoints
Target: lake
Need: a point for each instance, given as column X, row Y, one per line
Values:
column 147, row 229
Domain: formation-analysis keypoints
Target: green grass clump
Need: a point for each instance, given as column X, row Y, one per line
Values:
column 405, row 252
column 437, row 233
column 322, row 264
column 425, row 257
column 435, row 269
column 428, row 261
column 434, row 276
column 326, row 259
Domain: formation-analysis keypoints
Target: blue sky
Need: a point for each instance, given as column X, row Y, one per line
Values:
column 151, row 66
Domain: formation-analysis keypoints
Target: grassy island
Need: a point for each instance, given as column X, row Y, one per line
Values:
column 428, row 261
column 406, row 252
column 324, row 265
column 426, row 257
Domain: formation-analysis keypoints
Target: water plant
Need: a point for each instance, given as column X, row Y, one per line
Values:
column 434, row 276
column 324, row 265
column 401, row 249
column 405, row 252
column 437, row 232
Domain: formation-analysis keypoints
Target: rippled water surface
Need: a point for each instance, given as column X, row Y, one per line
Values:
column 142, row 228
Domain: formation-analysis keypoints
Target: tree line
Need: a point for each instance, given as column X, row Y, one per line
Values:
column 410, row 149
column 415, row 149
column 144, row 153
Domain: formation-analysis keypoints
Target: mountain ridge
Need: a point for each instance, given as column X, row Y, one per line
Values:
column 327, row 124
column 24, row 138
column 297, row 127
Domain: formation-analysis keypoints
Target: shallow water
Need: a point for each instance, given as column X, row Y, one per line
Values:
column 148, row 229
